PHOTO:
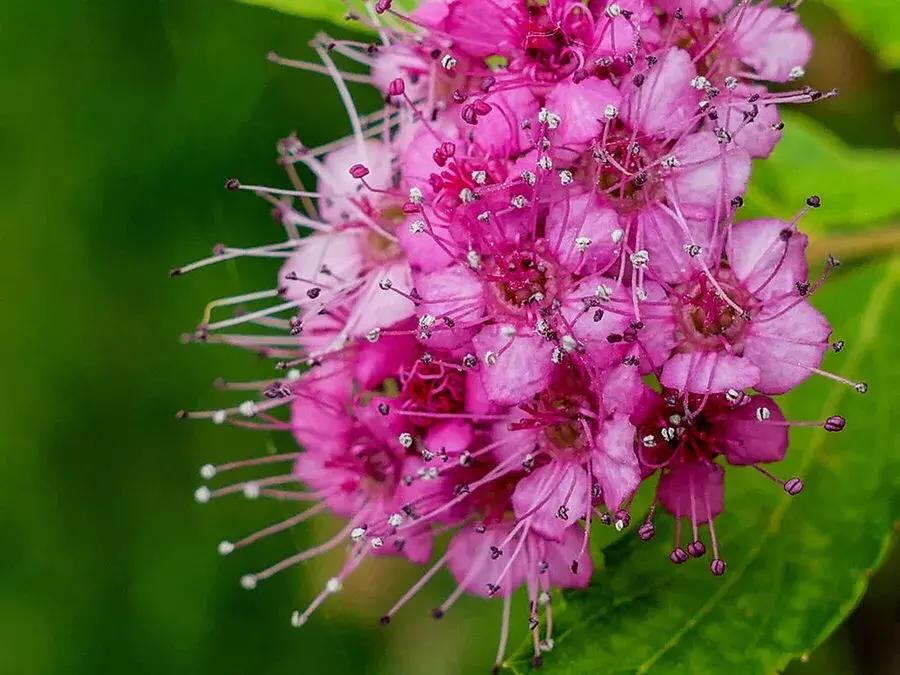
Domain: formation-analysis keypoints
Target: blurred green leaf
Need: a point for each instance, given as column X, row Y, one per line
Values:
column 798, row 564
column 876, row 23
column 329, row 10
column 857, row 186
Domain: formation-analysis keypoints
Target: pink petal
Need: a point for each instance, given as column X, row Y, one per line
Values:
column 577, row 217
column 709, row 372
column 665, row 104
column 693, row 8
column 767, row 265
column 785, row 348
column 710, row 174
column 341, row 251
column 746, row 439
column 704, row 482
column 581, row 107
column 559, row 556
column 614, row 463
column 522, row 369
column 451, row 438
column 770, row 40
column 553, row 498
column 469, row 560
column 338, row 186
column 665, row 240
column 454, row 292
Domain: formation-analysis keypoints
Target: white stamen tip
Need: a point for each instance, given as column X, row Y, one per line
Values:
column 225, row 547
column 248, row 581
column 620, row 525
column 603, row 292
column 473, row 259
column 297, row 619
column 333, row 585
column 529, row 177
column 247, row 408
column 293, row 375
column 417, row 226
column 763, row 413
column 251, row 491
column 490, row 358
column 613, row 10
column 405, row 439
column 415, row 195
column 218, row 417
column 207, row 471
column 551, row 119
column 640, row 258
column 700, row 83
column 610, row 111
column 565, row 177
column 377, row 542
column 569, row 343
column 796, row 73
column 582, row 243
column 507, row 331
column 202, row 495
column 357, row 533
column 617, row 235
column 480, row 177
column 395, row 519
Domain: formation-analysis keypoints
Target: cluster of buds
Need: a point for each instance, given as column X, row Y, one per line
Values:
column 519, row 291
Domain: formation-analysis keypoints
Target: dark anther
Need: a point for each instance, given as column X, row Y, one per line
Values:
column 737, row 202
column 437, row 613
column 385, row 620
column 232, row 184
column 313, row 293
column 835, row 423
column 814, row 201
column 786, row 234
column 637, row 80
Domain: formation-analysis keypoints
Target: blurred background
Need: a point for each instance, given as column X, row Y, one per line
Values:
column 119, row 125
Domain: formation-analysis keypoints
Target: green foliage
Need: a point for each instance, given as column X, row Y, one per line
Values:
column 797, row 565
column 857, row 187
column 328, row 10
column 876, row 23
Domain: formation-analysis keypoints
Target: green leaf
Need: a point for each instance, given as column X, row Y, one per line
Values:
column 328, row 10
column 876, row 23
column 797, row 565
column 858, row 187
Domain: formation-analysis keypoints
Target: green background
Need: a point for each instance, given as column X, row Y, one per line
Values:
column 119, row 124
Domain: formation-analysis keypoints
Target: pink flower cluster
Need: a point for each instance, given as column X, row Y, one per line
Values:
column 522, row 292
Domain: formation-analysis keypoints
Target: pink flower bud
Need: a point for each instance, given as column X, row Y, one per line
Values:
column 359, row 171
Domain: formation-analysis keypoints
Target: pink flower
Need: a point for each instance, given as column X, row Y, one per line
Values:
column 683, row 439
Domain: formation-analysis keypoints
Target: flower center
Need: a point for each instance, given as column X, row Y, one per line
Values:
column 706, row 319
column 523, row 281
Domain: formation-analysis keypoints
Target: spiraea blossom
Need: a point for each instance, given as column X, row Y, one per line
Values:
column 521, row 290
